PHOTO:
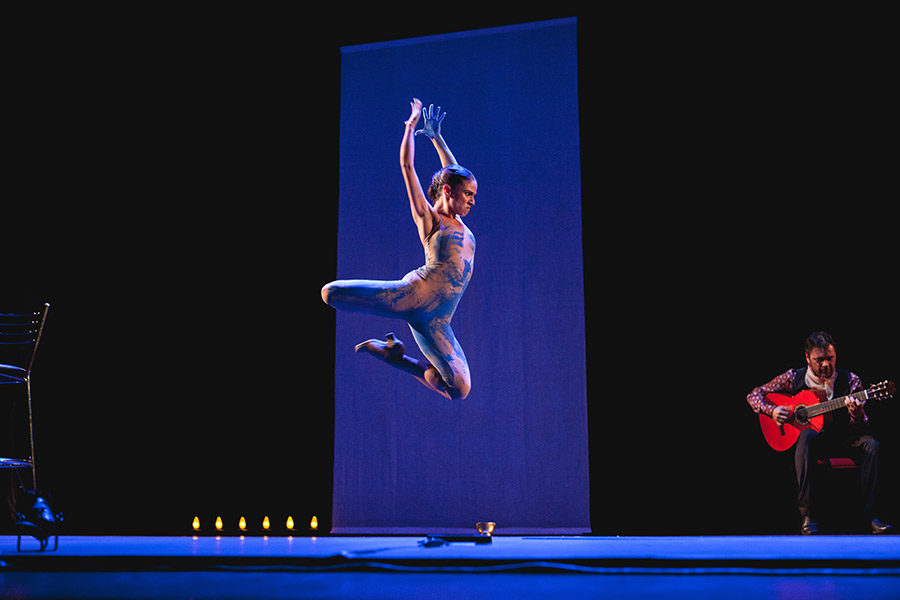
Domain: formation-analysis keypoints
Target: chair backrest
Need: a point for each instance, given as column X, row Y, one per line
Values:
column 22, row 330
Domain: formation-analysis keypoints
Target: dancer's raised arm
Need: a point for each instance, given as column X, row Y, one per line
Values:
column 423, row 213
column 432, row 130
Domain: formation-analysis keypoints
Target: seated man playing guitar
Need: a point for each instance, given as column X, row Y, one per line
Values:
column 796, row 408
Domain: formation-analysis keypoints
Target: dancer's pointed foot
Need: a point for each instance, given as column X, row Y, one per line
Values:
column 391, row 349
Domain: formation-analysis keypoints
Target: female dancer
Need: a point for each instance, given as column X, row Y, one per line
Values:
column 425, row 298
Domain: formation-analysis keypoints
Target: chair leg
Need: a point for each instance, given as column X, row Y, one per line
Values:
column 31, row 434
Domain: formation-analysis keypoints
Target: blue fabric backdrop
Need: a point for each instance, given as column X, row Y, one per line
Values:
column 516, row 450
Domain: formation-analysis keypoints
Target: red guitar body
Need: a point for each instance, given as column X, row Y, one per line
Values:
column 782, row 437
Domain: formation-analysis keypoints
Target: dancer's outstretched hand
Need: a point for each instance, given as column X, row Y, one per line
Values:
column 415, row 111
column 432, row 127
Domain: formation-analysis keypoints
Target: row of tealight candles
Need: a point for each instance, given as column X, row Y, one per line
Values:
column 266, row 524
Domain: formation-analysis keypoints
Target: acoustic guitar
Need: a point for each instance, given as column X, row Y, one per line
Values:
column 807, row 410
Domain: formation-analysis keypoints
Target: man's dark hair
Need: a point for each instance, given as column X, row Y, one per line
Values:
column 819, row 339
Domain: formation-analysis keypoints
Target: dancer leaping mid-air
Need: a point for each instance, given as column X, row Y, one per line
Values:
column 425, row 298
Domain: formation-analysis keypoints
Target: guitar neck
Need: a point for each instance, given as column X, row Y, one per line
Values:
column 835, row 403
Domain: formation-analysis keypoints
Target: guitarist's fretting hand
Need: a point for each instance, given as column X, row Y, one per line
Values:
column 856, row 409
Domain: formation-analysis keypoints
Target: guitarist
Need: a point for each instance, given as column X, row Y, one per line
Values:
column 843, row 433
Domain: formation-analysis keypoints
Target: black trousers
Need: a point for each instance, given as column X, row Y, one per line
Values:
column 813, row 445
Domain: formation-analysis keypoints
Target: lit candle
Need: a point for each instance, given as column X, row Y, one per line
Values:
column 219, row 524
column 290, row 522
column 243, row 524
column 196, row 524
column 266, row 523
column 314, row 523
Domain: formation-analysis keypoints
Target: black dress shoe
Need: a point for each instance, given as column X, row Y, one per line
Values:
column 879, row 527
column 809, row 527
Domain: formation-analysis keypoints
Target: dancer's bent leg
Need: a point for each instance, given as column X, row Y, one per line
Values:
column 392, row 351
column 381, row 298
column 449, row 373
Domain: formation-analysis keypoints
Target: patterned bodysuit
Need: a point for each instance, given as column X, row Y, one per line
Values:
column 425, row 298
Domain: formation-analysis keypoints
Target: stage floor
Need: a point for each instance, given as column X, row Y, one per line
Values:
column 400, row 567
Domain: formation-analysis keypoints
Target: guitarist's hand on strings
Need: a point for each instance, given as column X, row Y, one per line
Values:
column 781, row 414
column 857, row 414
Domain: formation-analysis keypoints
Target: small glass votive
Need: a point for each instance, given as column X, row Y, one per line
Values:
column 485, row 528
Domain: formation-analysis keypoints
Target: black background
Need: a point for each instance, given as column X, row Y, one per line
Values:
column 173, row 195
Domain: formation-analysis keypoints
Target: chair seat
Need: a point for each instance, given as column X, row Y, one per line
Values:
column 21, row 335
column 838, row 463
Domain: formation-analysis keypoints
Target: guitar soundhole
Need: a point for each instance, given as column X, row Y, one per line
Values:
column 801, row 417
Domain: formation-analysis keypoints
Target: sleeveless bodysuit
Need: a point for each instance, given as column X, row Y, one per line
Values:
column 425, row 298
column 438, row 286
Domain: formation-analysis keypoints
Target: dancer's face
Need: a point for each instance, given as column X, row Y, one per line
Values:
column 822, row 361
column 461, row 196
